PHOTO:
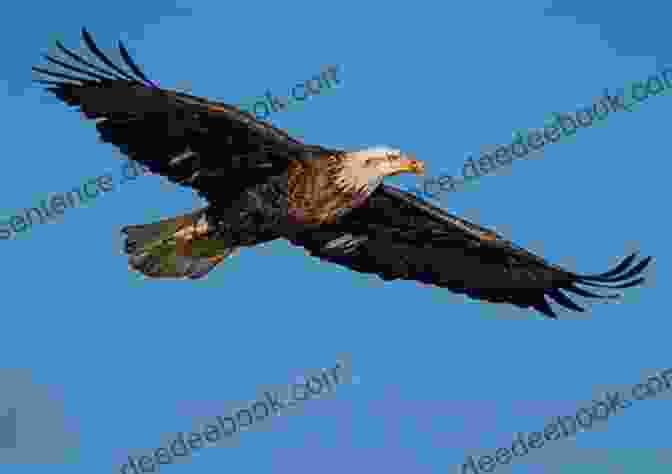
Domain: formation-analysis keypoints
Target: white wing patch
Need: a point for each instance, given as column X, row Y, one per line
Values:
column 347, row 242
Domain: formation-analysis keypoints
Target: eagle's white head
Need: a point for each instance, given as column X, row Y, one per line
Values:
column 365, row 169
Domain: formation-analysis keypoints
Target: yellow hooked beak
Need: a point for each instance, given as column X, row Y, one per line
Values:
column 410, row 164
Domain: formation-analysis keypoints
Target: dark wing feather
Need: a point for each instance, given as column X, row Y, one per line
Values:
column 188, row 139
column 399, row 236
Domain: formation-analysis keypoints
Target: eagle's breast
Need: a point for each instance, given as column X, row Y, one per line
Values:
column 319, row 194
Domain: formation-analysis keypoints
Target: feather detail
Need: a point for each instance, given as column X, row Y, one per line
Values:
column 321, row 190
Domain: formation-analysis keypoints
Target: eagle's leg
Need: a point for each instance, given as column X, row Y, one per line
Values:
column 189, row 232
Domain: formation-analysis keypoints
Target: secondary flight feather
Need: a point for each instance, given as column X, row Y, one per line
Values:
column 262, row 184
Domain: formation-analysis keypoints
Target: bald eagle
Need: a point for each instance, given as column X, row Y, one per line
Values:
column 262, row 184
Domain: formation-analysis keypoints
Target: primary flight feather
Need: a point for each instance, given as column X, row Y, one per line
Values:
column 261, row 184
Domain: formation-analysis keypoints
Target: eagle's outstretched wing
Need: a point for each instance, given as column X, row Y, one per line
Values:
column 188, row 139
column 399, row 236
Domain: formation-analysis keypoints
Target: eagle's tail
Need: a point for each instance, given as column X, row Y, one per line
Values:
column 174, row 248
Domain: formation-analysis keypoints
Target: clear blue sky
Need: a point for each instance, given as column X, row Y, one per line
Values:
column 100, row 364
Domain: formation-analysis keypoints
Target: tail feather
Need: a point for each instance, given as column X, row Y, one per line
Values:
column 143, row 237
column 157, row 250
column 157, row 266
